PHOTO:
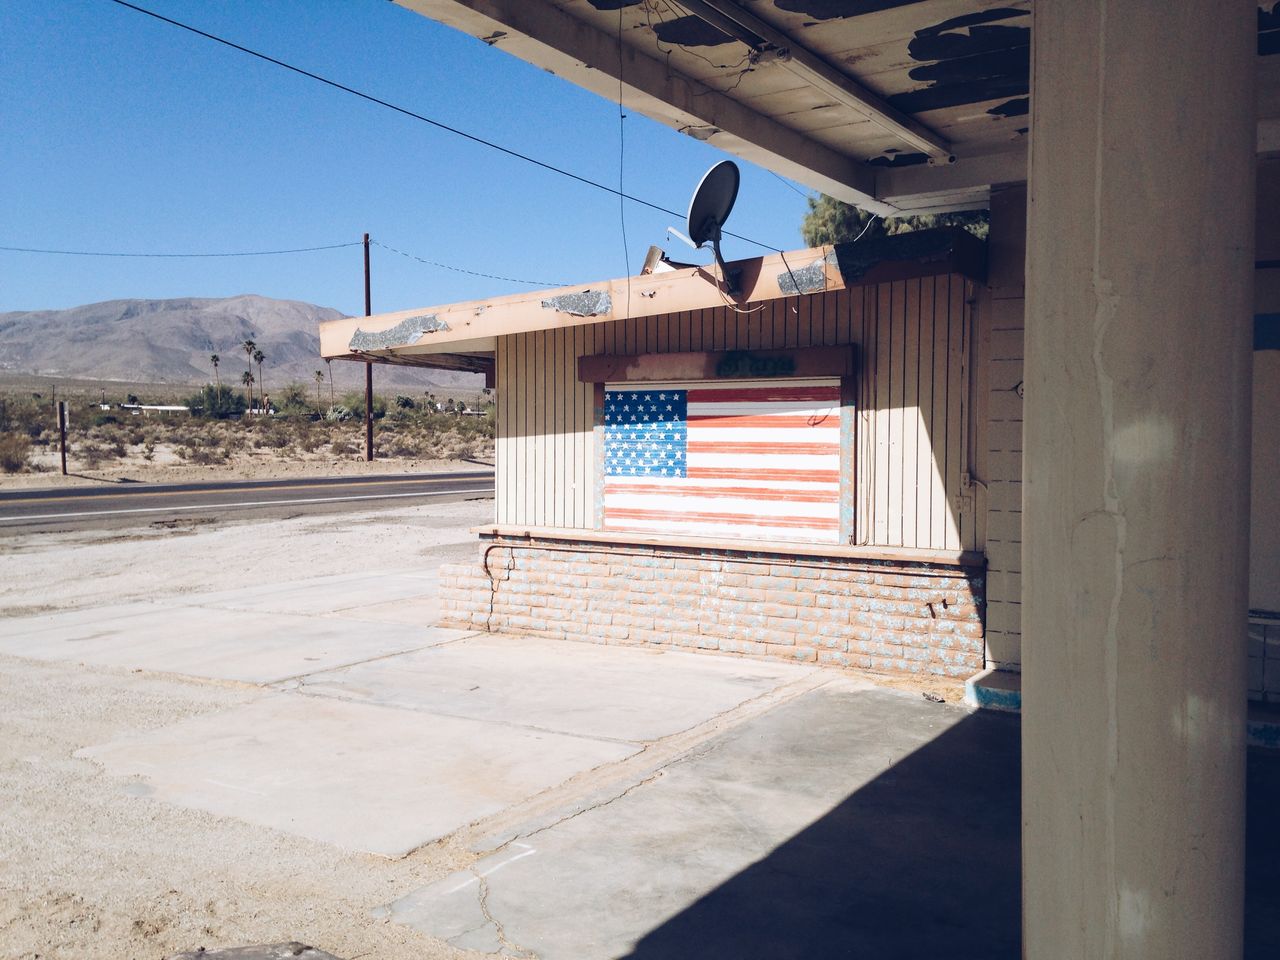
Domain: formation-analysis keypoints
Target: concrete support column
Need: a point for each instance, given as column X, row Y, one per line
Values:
column 1136, row 478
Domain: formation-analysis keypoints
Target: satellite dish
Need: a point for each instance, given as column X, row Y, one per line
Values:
column 709, row 209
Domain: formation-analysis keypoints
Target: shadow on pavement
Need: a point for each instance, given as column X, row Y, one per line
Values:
column 924, row 861
column 921, row 862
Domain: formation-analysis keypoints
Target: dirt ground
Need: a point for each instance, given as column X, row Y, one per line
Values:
column 87, row 870
column 309, row 436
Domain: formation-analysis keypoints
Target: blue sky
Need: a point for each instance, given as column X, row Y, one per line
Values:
column 125, row 134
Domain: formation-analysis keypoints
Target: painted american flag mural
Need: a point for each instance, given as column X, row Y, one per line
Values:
column 752, row 459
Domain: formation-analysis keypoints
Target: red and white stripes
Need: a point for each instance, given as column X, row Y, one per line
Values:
column 763, row 463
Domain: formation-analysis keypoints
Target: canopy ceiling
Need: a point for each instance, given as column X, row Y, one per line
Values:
column 894, row 105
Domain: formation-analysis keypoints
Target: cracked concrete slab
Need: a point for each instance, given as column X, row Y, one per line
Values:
column 371, row 778
column 619, row 693
column 412, row 610
column 320, row 594
column 211, row 643
column 826, row 826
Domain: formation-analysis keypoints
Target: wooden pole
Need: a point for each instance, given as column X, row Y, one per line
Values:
column 62, row 433
column 368, row 367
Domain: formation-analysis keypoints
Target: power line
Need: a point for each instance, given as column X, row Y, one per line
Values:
column 418, row 116
column 474, row 273
column 622, row 159
column 790, row 186
column 244, row 253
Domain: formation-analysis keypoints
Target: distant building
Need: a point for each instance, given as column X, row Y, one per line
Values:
column 147, row 409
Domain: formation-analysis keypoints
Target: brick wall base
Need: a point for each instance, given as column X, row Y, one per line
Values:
column 884, row 615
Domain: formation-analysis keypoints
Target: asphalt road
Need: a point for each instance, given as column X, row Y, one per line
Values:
column 124, row 505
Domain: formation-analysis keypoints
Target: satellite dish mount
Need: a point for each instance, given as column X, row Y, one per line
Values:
column 709, row 209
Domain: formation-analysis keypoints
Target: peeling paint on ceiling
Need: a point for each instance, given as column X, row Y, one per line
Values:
column 969, row 59
column 1269, row 30
column 690, row 32
column 898, row 159
column 838, row 9
column 1018, row 107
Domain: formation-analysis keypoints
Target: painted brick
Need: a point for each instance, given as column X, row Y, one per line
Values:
column 777, row 638
column 804, row 654
column 749, row 647
column 798, row 572
column 836, row 658
column 848, row 613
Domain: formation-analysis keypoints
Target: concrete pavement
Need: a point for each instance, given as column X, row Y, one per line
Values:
column 848, row 822
column 564, row 800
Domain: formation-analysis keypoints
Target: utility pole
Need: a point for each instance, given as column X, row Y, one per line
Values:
column 62, row 433
column 368, row 366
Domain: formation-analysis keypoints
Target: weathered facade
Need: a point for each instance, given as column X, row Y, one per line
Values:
column 835, row 502
column 901, row 588
column 1129, row 383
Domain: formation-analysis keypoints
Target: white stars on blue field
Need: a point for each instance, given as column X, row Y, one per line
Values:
column 645, row 433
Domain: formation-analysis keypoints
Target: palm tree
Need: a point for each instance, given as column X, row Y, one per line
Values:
column 329, row 364
column 249, row 346
column 247, row 379
column 319, row 380
column 258, row 357
column 215, row 360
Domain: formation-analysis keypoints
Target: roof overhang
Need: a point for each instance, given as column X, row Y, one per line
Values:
column 463, row 336
column 896, row 106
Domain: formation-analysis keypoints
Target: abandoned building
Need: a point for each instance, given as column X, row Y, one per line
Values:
column 1056, row 457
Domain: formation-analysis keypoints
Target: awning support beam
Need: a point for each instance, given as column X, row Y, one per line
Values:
column 746, row 27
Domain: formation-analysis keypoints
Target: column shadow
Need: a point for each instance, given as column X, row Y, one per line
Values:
column 924, row 861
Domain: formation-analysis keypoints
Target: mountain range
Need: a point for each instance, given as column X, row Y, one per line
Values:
column 170, row 341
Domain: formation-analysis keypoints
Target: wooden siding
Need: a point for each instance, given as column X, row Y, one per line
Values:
column 913, row 338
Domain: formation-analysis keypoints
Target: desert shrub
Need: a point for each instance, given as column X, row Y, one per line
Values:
column 15, row 451
column 338, row 414
column 404, row 403
column 402, row 444
column 275, row 436
column 343, row 448
column 149, row 451
column 217, row 403
column 292, row 399
column 24, row 415
column 234, row 440
column 202, row 451
column 95, row 453
column 355, row 403
column 310, row 435
column 104, row 419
